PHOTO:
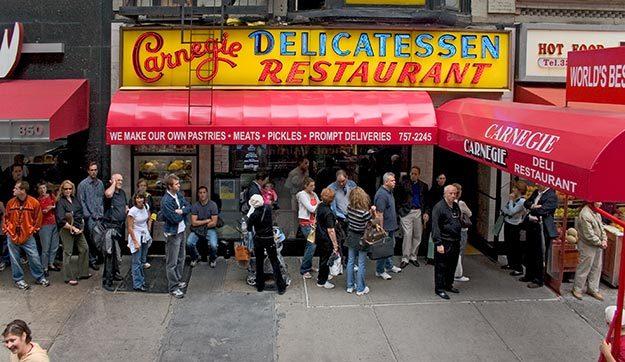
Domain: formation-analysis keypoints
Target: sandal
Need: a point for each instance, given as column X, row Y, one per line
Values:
column 72, row 282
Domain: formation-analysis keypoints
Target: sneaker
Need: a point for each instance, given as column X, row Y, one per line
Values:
column 355, row 268
column 43, row 281
column 182, row 285
column 330, row 276
column 2, row 266
column 177, row 293
column 395, row 269
column 147, row 266
column 350, row 290
column 193, row 263
column 22, row 285
column 462, row 279
column 384, row 275
column 307, row 275
column 365, row 291
column 212, row 264
column 327, row 285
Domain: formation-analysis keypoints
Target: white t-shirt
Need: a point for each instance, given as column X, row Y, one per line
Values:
column 140, row 227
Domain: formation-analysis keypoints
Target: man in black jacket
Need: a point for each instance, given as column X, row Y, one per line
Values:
column 446, row 236
column 254, row 188
column 411, row 210
column 540, row 230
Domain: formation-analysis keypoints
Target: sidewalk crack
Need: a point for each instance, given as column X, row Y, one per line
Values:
column 388, row 341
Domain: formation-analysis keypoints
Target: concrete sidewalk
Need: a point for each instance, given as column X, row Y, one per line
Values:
column 494, row 318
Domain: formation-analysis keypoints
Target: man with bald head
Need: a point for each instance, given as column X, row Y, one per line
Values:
column 115, row 209
column 446, row 230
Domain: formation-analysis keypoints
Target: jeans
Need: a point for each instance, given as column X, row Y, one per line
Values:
column 360, row 276
column 309, row 252
column 30, row 248
column 193, row 239
column 49, row 236
column 83, row 255
column 94, row 253
column 382, row 265
column 145, row 248
column 174, row 259
column 138, row 277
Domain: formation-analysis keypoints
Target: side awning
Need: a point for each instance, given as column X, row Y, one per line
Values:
column 271, row 117
column 43, row 110
column 579, row 152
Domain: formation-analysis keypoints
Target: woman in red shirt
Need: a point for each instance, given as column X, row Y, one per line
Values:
column 48, row 234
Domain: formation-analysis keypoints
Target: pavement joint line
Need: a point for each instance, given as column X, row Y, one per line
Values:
column 65, row 322
column 404, row 304
column 388, row 341
column 497, row 333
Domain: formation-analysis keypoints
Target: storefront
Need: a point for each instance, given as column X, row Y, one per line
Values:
column 218, row 109
column 35, row 118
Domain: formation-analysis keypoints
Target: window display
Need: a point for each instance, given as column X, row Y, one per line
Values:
column 154, row 168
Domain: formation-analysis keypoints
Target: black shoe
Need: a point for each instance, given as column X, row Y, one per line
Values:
column 85, row 276
column 403, row 264
column 281, row 291
column 118, row 278
column 516, row 273
column 260, row 289
column 108, row 286
column 534, row 285
column 525, row 279
column 442, row 295
column 141, row 289
column 453, row 290
column 46, row 274
column 53, row 268
column 415, row 263
column 430, row 262
column 94, row 266
column 506, row 267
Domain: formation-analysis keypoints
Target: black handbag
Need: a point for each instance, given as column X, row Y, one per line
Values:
column 382, row 249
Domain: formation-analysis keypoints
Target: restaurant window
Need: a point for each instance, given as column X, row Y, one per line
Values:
column 234, row 167
column 154, row 162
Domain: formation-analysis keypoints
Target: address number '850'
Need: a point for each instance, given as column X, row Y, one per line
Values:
column 30, row 130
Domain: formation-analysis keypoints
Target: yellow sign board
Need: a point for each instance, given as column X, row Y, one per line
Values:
column 385, row 2
column 282, row 57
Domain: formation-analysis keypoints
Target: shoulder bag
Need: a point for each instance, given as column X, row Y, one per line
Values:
column 373, row 232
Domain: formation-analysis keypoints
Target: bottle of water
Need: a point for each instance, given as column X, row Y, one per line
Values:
column 243, row 225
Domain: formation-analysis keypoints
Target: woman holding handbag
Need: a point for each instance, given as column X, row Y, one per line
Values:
column 359, row 213
column 307, row 201
column 514, row 212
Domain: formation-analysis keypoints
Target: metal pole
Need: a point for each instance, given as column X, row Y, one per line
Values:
column 615, row 326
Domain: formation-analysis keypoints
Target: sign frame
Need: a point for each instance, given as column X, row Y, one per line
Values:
column 509, row 32
column 521, row 60
column 604, row 81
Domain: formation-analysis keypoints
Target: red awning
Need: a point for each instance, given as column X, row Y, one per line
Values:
column 43, row 110
column 271, row 117
column 579, row 152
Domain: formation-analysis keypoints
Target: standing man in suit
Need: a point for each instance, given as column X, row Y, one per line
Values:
column 541, row 230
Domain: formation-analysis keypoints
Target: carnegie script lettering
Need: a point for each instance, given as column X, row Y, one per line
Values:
column 532, row 140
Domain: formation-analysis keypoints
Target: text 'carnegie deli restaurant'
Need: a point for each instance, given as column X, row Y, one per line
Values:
column 216, row 107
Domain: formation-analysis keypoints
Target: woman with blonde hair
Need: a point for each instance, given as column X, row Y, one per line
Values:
column 359, row 212
column 71, row 225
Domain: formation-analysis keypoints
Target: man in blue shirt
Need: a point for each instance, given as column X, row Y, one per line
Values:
column 342, row 187
column 91, row 195
column 385, row 210
column 411, row 209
